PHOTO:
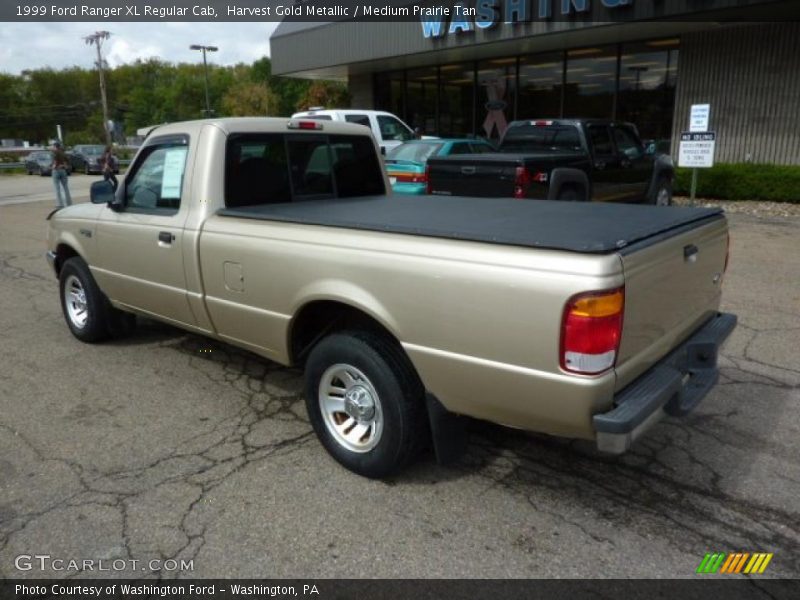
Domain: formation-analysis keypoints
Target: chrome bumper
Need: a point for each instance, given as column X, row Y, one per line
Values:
column 674, row 386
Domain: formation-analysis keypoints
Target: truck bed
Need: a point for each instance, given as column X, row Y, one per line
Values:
column 589, row 228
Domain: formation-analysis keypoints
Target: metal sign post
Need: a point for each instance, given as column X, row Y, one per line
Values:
column 696, row 149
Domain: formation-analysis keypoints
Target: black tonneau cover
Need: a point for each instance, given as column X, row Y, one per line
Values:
column 572, row 226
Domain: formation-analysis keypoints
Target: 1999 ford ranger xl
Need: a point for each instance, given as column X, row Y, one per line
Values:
column 279, row 236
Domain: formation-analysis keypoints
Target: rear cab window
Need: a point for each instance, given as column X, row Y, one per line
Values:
column 358, row 119
column 529, row 137
column 279, row 168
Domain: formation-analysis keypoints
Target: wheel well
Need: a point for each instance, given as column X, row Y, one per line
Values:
column 63, row 254
column 572, row 185
column 320, row 318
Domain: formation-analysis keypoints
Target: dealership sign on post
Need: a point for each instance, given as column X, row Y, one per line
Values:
column 698, row 117
column 696, row 149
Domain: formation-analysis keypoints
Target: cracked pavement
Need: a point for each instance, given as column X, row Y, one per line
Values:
column 166, row 445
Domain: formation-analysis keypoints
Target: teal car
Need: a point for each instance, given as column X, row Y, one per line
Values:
column 405, row 164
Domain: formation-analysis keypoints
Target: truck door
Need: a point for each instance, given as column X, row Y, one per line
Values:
column 636, row 167
column 140, row 247
column 605, row 164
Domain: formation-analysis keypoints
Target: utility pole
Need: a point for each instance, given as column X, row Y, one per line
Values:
column 205, row 70
column 97, row 39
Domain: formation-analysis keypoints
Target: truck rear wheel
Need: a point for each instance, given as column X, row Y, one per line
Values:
column 365, row 402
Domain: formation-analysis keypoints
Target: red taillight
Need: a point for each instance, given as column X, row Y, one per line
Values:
column 523, row 179
column 304, row 125
column 428, row 189
column 591, row 331
column 409, row 177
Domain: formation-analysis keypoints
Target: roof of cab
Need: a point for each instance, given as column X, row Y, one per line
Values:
column 254, row 125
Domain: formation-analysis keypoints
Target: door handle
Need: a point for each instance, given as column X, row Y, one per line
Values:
column 599, row 165
column 165, row 237
column 468, row 170
column 626, row 163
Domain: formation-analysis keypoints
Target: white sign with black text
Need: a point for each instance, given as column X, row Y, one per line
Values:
column 696, row 149
column 698, row 117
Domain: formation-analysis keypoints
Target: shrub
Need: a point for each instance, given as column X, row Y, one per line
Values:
column 742, row 181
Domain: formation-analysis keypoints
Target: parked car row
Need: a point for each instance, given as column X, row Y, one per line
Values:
column 85, row 158
column 41, row 162
column 554, row 159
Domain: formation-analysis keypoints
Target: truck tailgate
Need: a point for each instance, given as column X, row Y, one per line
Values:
column 472, row 175
column 672, row 285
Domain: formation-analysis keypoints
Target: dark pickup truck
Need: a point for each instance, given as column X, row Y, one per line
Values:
column 559, row 159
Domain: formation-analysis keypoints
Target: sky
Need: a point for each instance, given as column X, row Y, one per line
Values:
column 57, row 45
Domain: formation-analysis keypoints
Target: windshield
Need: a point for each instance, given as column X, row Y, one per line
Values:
column 531, row 138
column 413, row 152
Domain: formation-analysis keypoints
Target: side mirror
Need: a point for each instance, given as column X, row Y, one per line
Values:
column 650, row 149
column 383, row 150
column 101, row 192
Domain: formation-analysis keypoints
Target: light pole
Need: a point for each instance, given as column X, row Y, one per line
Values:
column 205, row 70
column 96, row 39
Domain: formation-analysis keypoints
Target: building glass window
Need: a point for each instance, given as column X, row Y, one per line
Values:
column 389, row 92
column 631, row 82
column 647, row 78
column 496, row 97
column 591, row 82
column 456, row 100
column 422, row 99
column 540, row 86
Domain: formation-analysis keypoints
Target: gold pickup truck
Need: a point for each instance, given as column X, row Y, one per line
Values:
column 407, row 313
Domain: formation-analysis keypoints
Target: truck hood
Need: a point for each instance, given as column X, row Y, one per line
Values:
column 85, row 210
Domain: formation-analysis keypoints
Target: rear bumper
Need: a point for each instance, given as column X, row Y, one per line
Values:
column 674, row 386
column 417, row 189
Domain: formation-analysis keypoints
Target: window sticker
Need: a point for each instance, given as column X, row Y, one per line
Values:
column 174, row 162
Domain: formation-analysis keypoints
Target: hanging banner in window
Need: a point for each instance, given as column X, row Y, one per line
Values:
column 174, row 162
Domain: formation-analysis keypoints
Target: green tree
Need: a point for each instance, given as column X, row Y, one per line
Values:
column 324, row 93
column 246, row 99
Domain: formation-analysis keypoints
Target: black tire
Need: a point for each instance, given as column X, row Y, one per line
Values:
column 662, row 190
column 400, row 398
column 570, row 193
column 102, row 320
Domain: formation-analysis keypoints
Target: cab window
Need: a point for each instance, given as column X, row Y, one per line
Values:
column 157, row 180
column 393, row 130
column 600, row 139
column 627, row 143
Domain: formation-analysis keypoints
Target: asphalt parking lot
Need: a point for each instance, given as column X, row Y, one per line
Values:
column 168, row 446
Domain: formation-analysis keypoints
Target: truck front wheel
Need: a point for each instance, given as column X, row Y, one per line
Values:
column 89, row 315
column 663, row 192
column 365, row 402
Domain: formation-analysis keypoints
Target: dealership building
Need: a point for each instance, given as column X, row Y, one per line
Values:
column 643, row 61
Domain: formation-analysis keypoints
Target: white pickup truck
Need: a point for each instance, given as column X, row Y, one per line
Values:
column 278, row 236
